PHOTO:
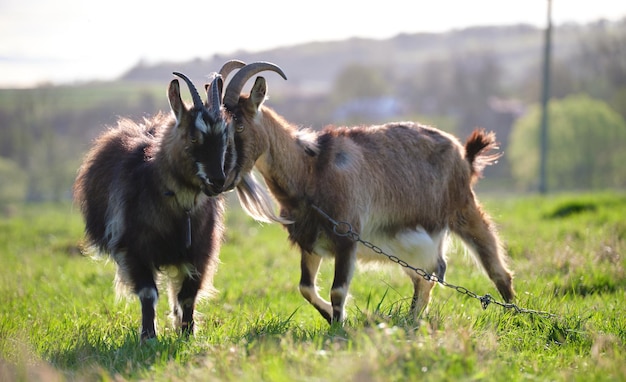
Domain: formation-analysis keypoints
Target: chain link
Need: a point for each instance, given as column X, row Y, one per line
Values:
column 344, row 229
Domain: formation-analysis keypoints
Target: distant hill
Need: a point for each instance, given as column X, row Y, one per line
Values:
column 312, row 67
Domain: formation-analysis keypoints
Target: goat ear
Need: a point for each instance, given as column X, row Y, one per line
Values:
column 176, row 103
column 258, row 92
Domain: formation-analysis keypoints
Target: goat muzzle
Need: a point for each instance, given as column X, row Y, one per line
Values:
column 232, row 180
column 213, row 187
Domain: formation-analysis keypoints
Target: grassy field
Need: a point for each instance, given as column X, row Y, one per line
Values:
column 59, row 319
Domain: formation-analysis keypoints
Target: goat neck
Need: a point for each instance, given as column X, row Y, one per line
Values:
column 276, row 148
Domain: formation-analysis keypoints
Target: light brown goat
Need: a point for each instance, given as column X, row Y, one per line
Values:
column 402, row 186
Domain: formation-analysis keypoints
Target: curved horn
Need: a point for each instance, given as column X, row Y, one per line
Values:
column 229, row 66
column 214, row 97
column 233, row 90
column 197, row 101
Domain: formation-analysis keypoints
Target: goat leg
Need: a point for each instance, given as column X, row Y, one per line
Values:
column 148, row 297
column 309, row 266
column 186, row 302
column 421, row 295
column 345, row 262
column 475, row 228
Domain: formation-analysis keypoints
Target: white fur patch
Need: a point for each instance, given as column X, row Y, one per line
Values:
column 256, row 200
column 308, row 139
column 201, row 125
column 258, row 117
column 149, row 293
column 311, row 295
column 172, row 277
column 415, row 246
column 202, row 173
column 340, row 293
column 307, row 135
column 114, row 219
column 219, row 128
column 122, row 285
column 323, row 247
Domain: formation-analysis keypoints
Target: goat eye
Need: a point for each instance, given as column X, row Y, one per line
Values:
column 239, row 128
column 195, row 138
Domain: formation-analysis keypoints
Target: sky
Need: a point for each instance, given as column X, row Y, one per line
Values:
column 67, row 41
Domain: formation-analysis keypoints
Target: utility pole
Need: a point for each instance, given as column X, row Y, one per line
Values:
column 545, row 98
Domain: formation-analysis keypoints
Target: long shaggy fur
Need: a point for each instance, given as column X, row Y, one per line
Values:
column 148, row 199
column 122, row 192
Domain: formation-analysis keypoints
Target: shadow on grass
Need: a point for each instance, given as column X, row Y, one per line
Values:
column 571, row 208
column 97, row 354
column 125, row 357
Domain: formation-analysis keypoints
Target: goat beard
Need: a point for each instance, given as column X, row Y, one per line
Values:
column 232, row 180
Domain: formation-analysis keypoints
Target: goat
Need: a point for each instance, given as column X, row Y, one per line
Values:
column 150, row 195
column 403, row 186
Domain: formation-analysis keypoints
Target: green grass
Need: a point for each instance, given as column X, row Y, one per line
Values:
column 59, row 319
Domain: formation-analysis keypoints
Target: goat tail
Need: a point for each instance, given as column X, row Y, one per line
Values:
column 256, row 201
column 477, row 148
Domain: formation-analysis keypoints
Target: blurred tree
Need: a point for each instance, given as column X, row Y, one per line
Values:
column 12, row 182
column 429, row 90
column 585, row 146
column 564, row 80
column 603, row 63
column 458, row 87
column 360, row 81
column 596, row 65
column 475, row 79
column 45, row 131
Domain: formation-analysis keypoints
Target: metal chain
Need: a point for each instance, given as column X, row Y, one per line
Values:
column 344, row 229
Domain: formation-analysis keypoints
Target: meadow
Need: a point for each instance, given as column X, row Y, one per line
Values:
column 59, row 318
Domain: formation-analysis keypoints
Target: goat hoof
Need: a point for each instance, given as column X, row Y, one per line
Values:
column 146, row 336
column 186, row 329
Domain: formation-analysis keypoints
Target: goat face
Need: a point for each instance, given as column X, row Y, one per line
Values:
column 204, row 137
column 251, row 138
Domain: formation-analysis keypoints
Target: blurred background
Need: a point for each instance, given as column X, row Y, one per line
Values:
column 69, row 69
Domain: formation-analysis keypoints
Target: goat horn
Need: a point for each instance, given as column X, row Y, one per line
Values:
column 214, row 97
column 197, row 101
column 233, row 90
column 229, row 66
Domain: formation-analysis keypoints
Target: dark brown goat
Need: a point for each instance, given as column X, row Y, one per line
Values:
column 149, row 194
column 402, row 186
